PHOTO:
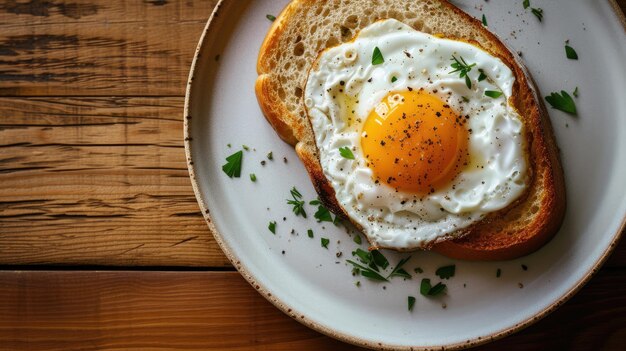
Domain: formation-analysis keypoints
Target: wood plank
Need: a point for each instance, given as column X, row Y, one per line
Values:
column 220, row 311
column 98, row 180
column 98, row 47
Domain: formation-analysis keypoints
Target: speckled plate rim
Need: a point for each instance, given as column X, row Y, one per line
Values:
column 211, row 24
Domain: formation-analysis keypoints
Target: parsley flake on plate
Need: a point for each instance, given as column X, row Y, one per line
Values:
column 427, row 290
column 232, row 168
column 325, row 242
column 272, row 227
column 446, row 272
column 297, row 202
column 322, row 214
column 411, row 302
column 271, row 17
column 563, row 102
column 570, row 53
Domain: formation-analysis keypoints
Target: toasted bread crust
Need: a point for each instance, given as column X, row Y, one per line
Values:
column 505, row 234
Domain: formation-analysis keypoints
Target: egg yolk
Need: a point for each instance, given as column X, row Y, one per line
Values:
column 414, row 142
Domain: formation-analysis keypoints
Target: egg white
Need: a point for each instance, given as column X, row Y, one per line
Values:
column 343, row 87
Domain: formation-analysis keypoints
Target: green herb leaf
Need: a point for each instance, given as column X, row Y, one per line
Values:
column 346, row 153
column 367, row 272
column 270, row 156
column 538, row 13
column 322, row 214
column 310, row 233
column 271, row 17
column 425, row 286
column 393, row 79
column 297, row 202
column 253, row 177
column 575, row 93
column 232, row 168
column 364, row 256
column 526, row 4
column 570, row 53
column 446, row 272
column 465, row 98
column 325, row 242
column 337, row 221
column 398, row 271
column 498, row 273
column 437, row 289
column 482, row 75
column 493, row 93
column 563, row 102
column 245, row 147
column 377, row 57
column 357, row 239
column 411, row 302
column 418, row 270
column 484, row 20
column 379, row 259
column 463, row 68
column 427, row 290
column 272, row 227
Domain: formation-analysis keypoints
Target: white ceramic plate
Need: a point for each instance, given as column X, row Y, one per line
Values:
column 312, row 284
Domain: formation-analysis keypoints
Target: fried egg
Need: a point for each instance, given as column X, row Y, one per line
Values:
column 415, row 149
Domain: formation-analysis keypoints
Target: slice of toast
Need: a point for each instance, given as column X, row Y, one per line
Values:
column 305, row 27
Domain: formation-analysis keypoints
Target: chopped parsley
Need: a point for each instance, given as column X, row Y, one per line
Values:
column 418, row 270
column 245, row 147
column 357, row 239
column 310, row 233
column 272, row 227
column 446, row 272
column 253, row 177
column 498, row 273
column 380, row 260
column 270, row 17
column 398, row 271
column 493, row 93
column 325, row 242
column 367, row 271
column 537, row 12
column 346, row 153
column 297, row 202
column 484, row 20
column 411, row 302
column 570, row 53
column 465, row 98
column 463, row 68
column 322, row 214
column 482, row 75
column 393, row 79
column 270, row 156
column 575, row 93
column 377, row 57
column 563, row 102
column 232, row 168
column 427, row 290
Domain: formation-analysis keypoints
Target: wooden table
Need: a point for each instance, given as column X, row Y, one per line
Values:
column 102, row 245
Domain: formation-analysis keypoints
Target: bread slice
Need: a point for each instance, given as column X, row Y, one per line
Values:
column 305, row 27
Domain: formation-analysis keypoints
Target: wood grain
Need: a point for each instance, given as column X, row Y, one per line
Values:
column 98, row 47
column 220, row 311
column 98, row 180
